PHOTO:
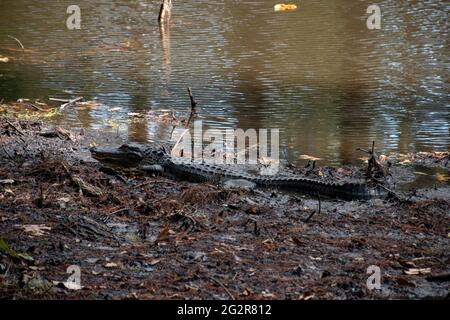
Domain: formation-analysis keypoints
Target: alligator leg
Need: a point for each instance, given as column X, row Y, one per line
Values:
column 155, row 168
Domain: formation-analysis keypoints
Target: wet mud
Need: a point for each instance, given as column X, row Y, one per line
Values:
column 137, row 236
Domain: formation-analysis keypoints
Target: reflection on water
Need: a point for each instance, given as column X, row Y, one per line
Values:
column 317, row 73
column 426, row 177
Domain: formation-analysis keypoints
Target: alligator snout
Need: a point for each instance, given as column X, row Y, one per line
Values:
column 125, row 157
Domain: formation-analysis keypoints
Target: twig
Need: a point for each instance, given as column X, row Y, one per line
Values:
column 314, row 212
column 363, row 150
column 379, row 183
column 59, row 100
column 70, row 102
column 18, row 41
column 119, row 211
column 191, row 96
column 223, row 286
column 7, row 153
column 37, row 108
column 15, row 128
column 7, row 270
column 193, row 106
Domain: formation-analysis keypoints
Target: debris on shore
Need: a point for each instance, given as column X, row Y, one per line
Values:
column 137, row 236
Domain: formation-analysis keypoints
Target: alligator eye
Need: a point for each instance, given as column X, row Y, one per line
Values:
column 124, row 147
column 128, row 148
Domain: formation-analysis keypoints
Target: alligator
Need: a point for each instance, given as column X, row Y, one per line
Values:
column 156, row 158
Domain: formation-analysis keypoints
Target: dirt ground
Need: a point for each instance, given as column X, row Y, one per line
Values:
column 136, row 236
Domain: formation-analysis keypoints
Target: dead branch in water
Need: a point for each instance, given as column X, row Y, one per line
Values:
column 193, row 106
column 59, row 100
column 70, row 102
column 165, row 11
column 17, row 40
column 374, row 168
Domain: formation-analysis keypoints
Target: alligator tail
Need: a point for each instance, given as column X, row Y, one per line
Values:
column 348, row 191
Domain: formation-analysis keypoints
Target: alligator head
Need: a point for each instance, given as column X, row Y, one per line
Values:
column 124, row 156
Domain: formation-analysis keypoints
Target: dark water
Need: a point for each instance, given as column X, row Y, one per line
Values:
column 318, row 74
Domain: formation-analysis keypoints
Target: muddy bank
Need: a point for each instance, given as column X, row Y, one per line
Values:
column 135, row 236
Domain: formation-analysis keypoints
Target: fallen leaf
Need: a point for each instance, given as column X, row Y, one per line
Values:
column 36, row 230
column 111, row 265
column 315, row 258
column 155, row 262
column 253, row 210
column 418, row 271
column 163, row 234
column 306, row 296
column 8, row 190
column 269, row 244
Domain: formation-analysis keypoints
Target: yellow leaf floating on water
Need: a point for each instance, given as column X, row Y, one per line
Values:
column 284, row 7
column 110, row 123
